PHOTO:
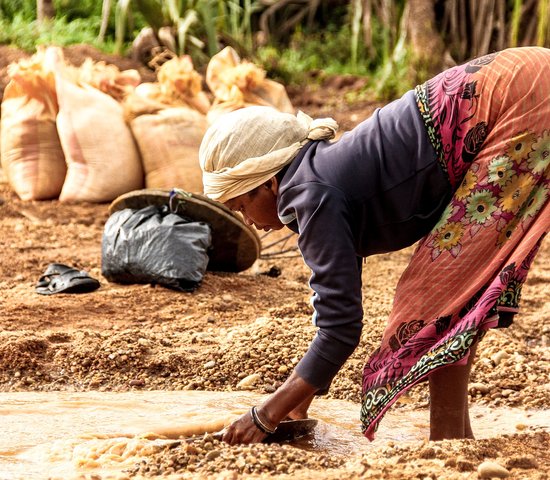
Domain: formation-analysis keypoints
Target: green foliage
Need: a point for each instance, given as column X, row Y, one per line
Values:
column 27, row 35
column 515, row 23
column 235, row 20
column 392, row 78
column 543, row 33
column 25, row 9
column 72, row 9
column 328, row 51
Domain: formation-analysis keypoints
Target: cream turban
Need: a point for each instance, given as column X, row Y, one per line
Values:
column 245, row 148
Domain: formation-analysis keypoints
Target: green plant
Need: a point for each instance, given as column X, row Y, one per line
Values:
column 393, row 78
column 326, row 51
column 25, row 9
column 515, row 23
column 27, row 35
column 235, row 21
column 188, row 20
column 543, row 34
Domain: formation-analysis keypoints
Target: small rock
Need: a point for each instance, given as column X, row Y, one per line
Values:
column 463, row 465
column 492, row 470
column 212, row 454
column 450, row 462
column 480, row 387
column 249, row 381
column 498, row 357
column 523, row 461
column 137, row 382
column 210, row 364
column 427, row 453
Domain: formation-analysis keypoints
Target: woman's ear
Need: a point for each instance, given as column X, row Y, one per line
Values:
column 273, row 185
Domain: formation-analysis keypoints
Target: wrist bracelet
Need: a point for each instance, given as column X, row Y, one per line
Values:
column 259, row 424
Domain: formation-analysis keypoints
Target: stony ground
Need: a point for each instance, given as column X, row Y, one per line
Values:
column 250, row 326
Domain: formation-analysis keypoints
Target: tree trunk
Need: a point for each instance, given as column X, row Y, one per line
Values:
column 44, row 10
column 427, row 45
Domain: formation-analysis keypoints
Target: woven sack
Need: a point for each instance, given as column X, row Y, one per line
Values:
column 169, row 141
column 102, row 158
column 237, row 83
column 31, row 153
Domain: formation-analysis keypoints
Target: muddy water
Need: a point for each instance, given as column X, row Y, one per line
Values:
column 62, row 435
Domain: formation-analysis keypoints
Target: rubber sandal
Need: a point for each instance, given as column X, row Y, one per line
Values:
column 59, row 278
column 52, row 271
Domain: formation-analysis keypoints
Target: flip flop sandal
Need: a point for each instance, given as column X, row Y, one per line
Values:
column 235, row 245
column 59, row 278
column 53, row 270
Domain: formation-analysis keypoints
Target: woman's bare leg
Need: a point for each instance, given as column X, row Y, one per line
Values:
column 449, row 414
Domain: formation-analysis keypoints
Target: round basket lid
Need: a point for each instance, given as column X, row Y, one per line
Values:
column 235, row 245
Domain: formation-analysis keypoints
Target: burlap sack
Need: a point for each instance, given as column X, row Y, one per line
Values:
column 102, row 158
column 168, row 122
column 108, row 78
column 181, row 84
column 237, row 83
column 169, row 141
column 32, row 157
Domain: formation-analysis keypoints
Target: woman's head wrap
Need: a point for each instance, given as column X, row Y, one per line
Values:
column 245, row 148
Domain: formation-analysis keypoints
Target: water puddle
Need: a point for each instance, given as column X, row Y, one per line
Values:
column 63, row 435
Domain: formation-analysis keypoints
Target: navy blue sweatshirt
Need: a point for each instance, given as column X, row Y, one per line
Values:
column 379, row 188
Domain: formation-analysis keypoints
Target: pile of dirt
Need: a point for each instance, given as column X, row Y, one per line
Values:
column 521, row 455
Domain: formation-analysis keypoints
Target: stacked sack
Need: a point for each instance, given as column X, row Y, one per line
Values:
column 102, row 158
column 32, row 157
column 168, row 120
column 92, row 133
column 238, row 83
column 62, row 136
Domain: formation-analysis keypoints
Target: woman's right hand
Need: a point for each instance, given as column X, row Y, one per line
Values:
column 243, row 430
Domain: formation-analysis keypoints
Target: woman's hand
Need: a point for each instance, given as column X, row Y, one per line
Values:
column 291, row 400
column 243, row 430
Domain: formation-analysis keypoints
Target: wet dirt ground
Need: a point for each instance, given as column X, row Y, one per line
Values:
column 124, row 338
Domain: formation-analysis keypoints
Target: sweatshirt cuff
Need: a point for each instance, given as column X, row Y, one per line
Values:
column 315, row 369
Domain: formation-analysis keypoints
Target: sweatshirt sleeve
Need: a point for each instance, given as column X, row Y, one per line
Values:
column 326, row 243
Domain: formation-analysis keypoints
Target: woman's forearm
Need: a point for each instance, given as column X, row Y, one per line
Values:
column 293, row 392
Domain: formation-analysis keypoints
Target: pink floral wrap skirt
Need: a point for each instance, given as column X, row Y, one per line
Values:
column 489, row 123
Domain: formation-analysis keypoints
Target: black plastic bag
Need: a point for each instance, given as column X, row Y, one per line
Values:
column 153, row 245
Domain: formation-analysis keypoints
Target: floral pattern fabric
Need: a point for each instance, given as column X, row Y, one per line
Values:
column 489, row 123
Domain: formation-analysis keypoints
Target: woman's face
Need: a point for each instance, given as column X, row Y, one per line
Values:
column 259, row 207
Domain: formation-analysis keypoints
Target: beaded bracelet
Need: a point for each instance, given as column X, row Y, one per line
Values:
column 259, row 424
